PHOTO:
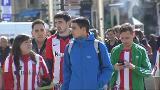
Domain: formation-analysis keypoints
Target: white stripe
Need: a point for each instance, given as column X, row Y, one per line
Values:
column 37, row 71
column 14, row 76
column 56, row 71
column 118, row 80
column 45, row 65
column 157, row 72
column 6, row 64
column 126, row 72
column 30, row 73
column 56, row 49
column 21, row 75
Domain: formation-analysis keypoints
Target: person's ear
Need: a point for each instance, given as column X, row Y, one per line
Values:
column 84, row 29
column 32, row 33
column 69, row 23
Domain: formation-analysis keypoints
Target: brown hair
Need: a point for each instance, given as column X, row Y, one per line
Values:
column 16, row 51
column 64, row 15
column 126, row 27
column 38, row 21
column 82, row 22
column 110, row 30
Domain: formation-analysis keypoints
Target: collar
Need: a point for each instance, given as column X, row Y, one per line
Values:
column 64, row 37
column 25, row 58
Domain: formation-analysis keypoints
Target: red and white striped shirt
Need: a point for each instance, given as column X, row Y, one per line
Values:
column 29, row 76
column 124, row 81
column 156, row 69
column 55, row 47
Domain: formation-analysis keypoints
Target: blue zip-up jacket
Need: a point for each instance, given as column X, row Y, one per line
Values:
column 81, row 66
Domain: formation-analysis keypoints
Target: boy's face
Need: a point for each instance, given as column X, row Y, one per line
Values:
column 61, row 25
column 111, row 35
column 77, row 31
column 4, row 42
column 39, row 32
column 126, row 38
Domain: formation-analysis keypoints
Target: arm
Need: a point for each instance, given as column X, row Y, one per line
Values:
column 115, row 54
column 49, row 56
column 66, row 70
column 46, row 80
column 8, row 81
column 7, row 75
column 107, row 68
column 145, row 68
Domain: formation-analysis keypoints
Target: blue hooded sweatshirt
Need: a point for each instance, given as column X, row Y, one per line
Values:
column 81, row 66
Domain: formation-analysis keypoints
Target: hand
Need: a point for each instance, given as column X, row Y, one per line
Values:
column 129, row 65
column 118, row 66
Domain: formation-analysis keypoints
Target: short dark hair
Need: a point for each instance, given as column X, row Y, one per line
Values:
column 117, row 28
column 64, row 15
column 82, row 22
column 38, row 21
column 110, row 30
column 126, row 27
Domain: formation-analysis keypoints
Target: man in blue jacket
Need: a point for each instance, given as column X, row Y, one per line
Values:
column 82, row 68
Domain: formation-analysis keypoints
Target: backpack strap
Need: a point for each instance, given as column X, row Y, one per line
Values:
column 96, row 46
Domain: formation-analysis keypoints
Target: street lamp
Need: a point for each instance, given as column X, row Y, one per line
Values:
column 158, row 15
column 101, row 18
column 0, row 14
column 50, row 10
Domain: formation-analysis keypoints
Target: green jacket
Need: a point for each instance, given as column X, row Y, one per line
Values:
column 139, row 59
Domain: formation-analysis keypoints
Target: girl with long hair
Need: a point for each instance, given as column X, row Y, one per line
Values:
column 23, row 68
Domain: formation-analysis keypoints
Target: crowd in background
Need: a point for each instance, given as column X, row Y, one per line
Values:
column 50, row 45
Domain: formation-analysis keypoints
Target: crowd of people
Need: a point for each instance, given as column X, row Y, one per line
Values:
column 76, row 58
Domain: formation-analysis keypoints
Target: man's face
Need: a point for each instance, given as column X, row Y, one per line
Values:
column 4, row 42
column 39, row 32
column 77, row 31
column 111, row 35
column 126, row 38
column 61, row 25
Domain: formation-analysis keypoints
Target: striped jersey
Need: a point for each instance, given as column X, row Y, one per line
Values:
column 124, row 81
column 156, row 69
column 55, row 47
column 29, row 76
